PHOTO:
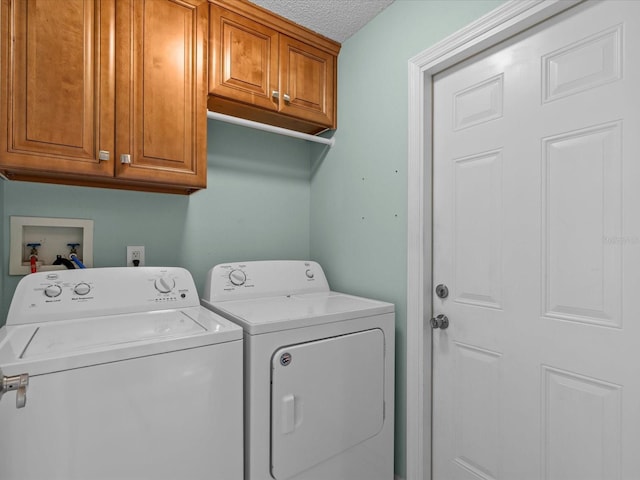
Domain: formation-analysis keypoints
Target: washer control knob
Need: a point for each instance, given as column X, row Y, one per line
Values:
column 237, row 277
column 165, row 284
column 82, row 289
column 52, row 291
column 309, row 274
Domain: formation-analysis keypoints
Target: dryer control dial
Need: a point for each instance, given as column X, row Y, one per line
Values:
column 165, row 284
column 237, row 277
column 52, row 291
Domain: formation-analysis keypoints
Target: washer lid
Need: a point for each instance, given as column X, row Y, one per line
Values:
column 52, row 346
column 270, row 314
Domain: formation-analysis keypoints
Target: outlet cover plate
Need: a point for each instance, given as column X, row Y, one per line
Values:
column 135, row 253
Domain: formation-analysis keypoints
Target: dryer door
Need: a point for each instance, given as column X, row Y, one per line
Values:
column 326, row 396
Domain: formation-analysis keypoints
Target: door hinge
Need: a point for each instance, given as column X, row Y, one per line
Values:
column 18, row 383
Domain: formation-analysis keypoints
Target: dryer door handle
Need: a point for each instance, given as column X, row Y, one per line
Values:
column 288, row 404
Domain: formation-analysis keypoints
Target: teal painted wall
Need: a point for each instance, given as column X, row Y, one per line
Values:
column 359, row 190
column 256, row 207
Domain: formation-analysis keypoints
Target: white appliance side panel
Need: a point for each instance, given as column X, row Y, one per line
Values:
column 326, row 397
column 169, row 416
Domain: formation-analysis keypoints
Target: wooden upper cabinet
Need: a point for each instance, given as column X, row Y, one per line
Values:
column 265, row 68
column 307, row 82
column 244, row 56
column 57, row 86
column 161, row 91
column 86, row 84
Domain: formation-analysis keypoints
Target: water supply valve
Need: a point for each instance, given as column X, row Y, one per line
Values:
column 33, row 256
column 18, row 383
column 73, row 255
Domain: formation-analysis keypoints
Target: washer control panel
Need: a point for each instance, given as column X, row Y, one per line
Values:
column 233, row 281
column 68, row 294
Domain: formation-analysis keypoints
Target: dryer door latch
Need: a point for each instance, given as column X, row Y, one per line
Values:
column 18, row 383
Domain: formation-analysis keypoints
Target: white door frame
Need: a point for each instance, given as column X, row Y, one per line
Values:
column 505, row 21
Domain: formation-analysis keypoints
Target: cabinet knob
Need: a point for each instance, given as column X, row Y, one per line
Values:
column 275, row 94
column 287, row 98
column 103, row 155
column 125, row 158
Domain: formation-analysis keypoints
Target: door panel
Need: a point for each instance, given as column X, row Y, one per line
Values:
column 477, row 405
column 581, row 270
column 326, row 397
column 478, row 194
column 579, row 407
column 585, row 64
column 537, row 236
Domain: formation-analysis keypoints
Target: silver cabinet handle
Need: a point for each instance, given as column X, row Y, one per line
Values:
column 275, row 94
column 287, row 98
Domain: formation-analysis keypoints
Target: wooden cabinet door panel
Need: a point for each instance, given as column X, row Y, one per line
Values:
column 244, row 59
column 161, row 91
column 57, row 85
column 307, row 77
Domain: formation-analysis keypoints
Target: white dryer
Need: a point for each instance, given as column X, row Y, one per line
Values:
column 118, row 373
column 319, row 372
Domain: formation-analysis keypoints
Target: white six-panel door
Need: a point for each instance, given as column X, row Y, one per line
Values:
column 537, row 237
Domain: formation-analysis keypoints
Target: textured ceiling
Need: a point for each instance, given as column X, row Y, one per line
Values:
column 335, row 19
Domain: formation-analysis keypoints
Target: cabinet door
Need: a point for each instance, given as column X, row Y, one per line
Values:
column 244, row 59
column 57, row 86
column 307, row 82
column 161, row 91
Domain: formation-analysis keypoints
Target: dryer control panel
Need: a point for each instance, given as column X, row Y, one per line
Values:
column 235, row 281
column 69, row 294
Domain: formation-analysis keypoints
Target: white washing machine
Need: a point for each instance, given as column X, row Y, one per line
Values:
column 118, row 374
column 319, row 372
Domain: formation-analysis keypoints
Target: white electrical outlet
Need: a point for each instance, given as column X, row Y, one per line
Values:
column 135, row 253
